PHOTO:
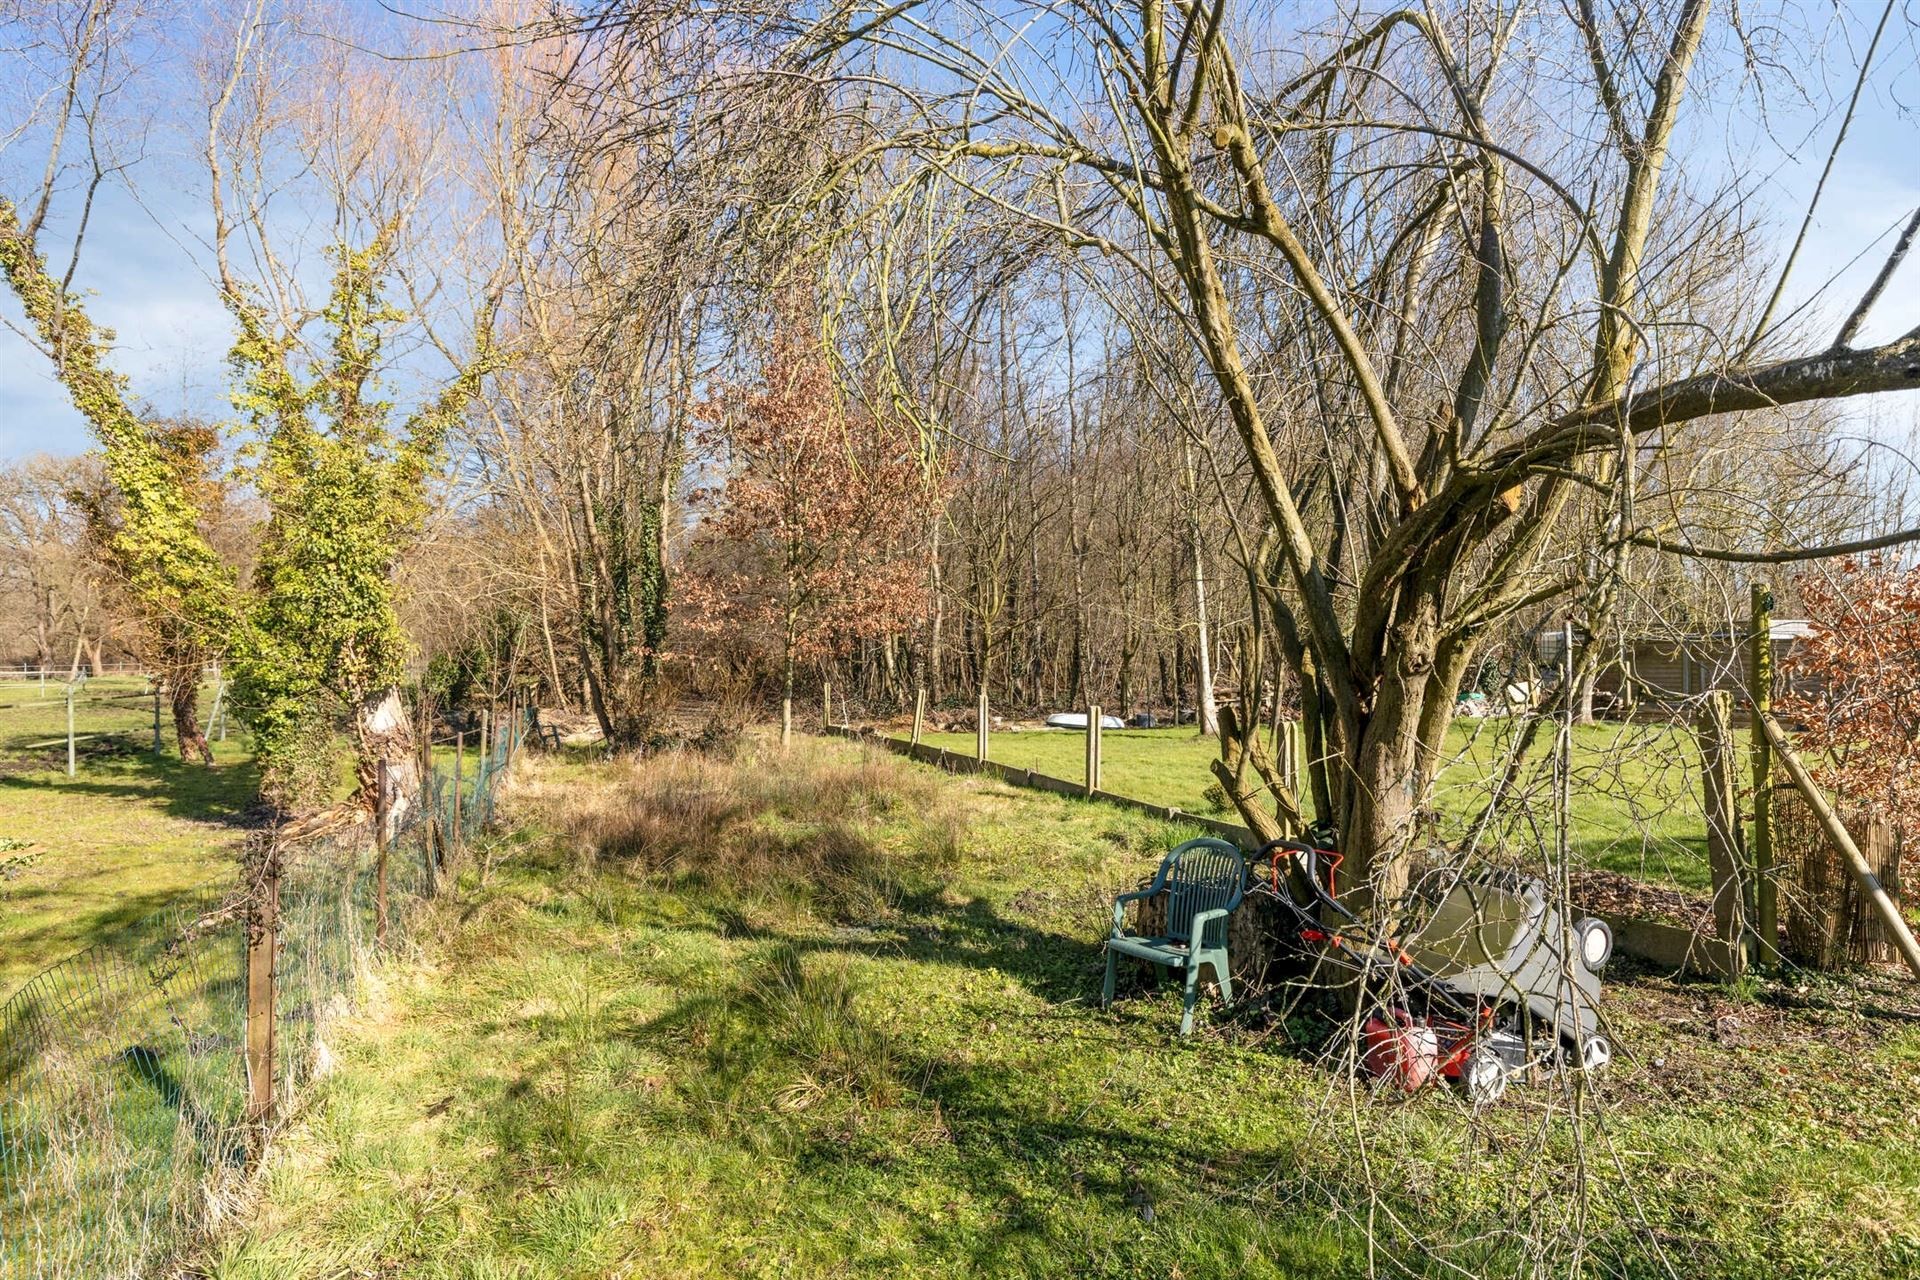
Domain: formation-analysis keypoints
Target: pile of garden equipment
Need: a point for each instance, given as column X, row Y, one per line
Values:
column 1477, row 977
column 1487, row 982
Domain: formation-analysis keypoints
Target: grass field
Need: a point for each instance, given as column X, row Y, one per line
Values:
column 1636, row 805
column 84, row 858
column 833, row 1014
column 99, row 851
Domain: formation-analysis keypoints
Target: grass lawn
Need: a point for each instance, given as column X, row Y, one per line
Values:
column 110, row 846
column 1636, row 802
column 834, row 1014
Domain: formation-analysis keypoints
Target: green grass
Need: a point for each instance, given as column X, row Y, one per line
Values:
column 832, row 1014
column 1636, row 799
column 112, row 845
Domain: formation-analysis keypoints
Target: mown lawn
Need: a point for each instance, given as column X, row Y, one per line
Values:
column 1636, row 803
column 833, row 1014
column 95, row 853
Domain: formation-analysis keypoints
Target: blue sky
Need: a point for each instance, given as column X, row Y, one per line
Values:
column 171, row 332
column 144, row 257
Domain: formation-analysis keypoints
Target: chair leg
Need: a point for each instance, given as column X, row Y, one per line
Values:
column 1193, row 994
column 1224, row 978
column 1106, row 992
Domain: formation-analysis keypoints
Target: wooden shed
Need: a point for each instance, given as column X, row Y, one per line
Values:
column 1667, row 669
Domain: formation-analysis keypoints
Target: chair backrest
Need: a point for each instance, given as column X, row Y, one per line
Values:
column 1202, row 875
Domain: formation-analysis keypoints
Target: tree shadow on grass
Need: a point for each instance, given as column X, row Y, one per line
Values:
column 1051, row 1179
column 223, row 795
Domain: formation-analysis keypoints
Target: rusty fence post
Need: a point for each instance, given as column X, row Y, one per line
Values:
column 263, row 938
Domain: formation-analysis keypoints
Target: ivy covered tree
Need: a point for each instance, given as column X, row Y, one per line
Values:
column 345, row 492
column 173, row 645
column 150, row 528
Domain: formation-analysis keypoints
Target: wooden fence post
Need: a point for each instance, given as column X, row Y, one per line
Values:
column 1760, row 693
column 382, row 805
column 919, row 713
column 826, row 704
column 1874, row 943
column 1288, row 748
column 1093, row 748
column 980, row 729
column 1714, row 734
column 263, row 937
column 156, row 717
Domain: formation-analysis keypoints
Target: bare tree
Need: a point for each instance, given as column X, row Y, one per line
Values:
column 1471, row 289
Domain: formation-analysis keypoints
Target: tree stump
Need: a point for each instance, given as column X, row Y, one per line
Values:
column 1830, row 924
column 1256, row 934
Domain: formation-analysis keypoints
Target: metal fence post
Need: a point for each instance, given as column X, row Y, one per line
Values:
column 215, row 724
column 263, row 936
column 156, row 717
column 430, row 802
column 1093, row 747
column 382, row 805
column 70, row 768
column 459, row 754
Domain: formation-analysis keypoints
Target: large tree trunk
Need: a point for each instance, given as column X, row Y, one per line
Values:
column 183, row 694
column 385, row 733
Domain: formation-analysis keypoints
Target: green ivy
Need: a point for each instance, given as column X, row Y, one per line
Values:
column 345, row 493
column 176, row 580
column 319, row 633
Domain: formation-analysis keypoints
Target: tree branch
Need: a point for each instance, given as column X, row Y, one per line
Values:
column 1776, row 557
column 1844, row 338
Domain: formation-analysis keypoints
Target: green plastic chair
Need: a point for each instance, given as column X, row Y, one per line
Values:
column 1203, row 880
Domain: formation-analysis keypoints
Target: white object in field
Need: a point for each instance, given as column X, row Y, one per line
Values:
column 1522, row 694
column 1078, row 720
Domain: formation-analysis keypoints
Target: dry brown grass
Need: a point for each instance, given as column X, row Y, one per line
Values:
column 844, row 833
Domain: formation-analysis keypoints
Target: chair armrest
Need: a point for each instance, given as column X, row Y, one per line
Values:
column 1120, row 907
column 1202, row 921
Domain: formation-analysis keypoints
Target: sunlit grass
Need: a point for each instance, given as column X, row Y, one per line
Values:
column 123, row 838
column 832, row 1014
column 1635, row 803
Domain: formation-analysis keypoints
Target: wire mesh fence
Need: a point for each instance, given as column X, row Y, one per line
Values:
column 53, row 725
column 131, row 1073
